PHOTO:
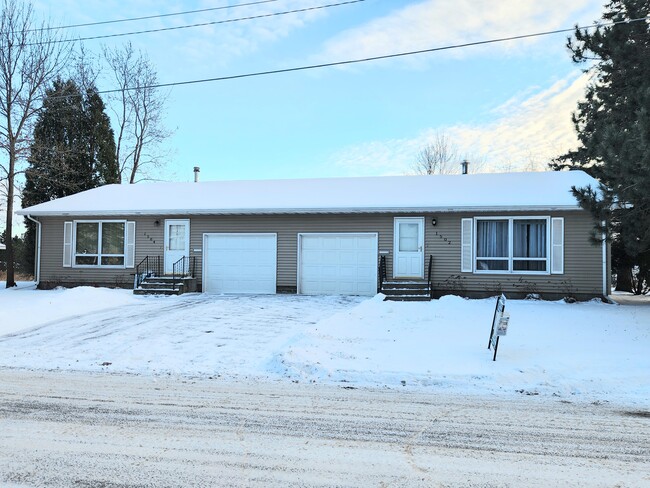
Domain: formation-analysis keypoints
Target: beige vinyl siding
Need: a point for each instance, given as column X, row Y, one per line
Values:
column 582, row 260
column 582, row 275
column 148, row 241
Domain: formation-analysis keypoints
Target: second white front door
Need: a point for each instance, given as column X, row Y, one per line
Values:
column 177, row 242
column 408, row 261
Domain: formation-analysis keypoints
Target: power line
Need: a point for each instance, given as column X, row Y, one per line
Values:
column 376, row 58
column 216, row 22
column 147, row 17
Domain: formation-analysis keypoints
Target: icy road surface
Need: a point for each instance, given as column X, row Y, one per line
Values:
column 100, row 430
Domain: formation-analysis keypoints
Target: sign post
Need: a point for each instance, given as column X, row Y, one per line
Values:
column 499, row 327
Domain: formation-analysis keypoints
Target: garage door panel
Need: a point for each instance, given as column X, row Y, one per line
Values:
column 240, row 263
column 344, row 264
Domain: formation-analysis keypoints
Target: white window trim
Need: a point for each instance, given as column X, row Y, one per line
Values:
column 99, row 241
column 511, row 258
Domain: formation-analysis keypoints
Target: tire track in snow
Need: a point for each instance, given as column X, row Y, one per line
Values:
column 98, row 430
column 127, row 338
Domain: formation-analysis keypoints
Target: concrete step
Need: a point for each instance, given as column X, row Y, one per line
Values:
column 407, row 298
column 156, row 291
column 406, row 290
column 164, row 285
column 161, row 284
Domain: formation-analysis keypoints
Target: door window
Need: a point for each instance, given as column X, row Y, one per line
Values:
column 176, row 237
column 408, row 237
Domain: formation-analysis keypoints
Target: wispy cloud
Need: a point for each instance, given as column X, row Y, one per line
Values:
column 527, row 132
column 196, row 49
column 221, row 43
column 434, row 23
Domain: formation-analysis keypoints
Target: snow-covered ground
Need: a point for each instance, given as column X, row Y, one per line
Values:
column 583, row 351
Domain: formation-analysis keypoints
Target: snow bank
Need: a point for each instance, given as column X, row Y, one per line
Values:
column 592, row 351
column 551, row 348
column 25, row 307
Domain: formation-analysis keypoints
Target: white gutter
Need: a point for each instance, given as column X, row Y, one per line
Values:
column 606, row 292
column 37, row 257
column 288, row 211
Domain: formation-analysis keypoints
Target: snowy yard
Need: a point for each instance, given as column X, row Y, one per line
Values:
column 584, row 351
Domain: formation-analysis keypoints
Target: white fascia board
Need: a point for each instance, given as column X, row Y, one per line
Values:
column 283, row 211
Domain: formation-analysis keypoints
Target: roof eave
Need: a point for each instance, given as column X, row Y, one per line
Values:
column 284, row 211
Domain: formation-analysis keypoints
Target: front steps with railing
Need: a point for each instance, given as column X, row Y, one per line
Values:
column 406, row 290
column 149, row 279
column 416, row 290
column 165, row 285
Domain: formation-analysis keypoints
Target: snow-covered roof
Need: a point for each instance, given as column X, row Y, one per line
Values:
column 451, row 193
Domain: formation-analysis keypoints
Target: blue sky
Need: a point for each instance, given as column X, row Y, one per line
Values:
column 506, row 104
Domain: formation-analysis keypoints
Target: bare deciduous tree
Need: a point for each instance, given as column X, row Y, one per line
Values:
column 439, row 156
column 31, row 56
column 139, row 110
column 442, row 157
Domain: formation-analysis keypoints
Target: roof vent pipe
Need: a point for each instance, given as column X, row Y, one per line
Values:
column 196, row 174
column 464, row 166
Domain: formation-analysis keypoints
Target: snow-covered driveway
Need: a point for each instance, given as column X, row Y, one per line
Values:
column 593, row 351
column 191, row 334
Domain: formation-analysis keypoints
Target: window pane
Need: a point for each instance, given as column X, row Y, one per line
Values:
column 529, row 265
column 176, row 237
column 112, row 260
column 112, row 238
column 408, row 237
column 86, row 260
column 529, row 238
column 87, row 238
column 491, row 265
column 492, row 239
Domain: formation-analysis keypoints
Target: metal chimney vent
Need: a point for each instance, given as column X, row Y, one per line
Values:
column 196, row 174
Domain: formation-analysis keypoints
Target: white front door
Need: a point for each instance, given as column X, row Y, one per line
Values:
column 408, row 261
column 177, row 242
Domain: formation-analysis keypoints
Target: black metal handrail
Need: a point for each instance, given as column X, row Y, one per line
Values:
column 149, row 266
column 381, row 274
column 184, row 267
column 429, row 276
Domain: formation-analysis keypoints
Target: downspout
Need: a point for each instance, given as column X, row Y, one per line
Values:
column 37, row 257
column 606, row 292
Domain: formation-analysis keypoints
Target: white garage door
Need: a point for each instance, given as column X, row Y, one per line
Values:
column 338, row 264
column 239, row 263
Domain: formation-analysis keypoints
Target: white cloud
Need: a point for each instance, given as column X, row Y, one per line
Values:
column 218, row 45
column 527, row 132
column 434, row 23
column 530, row 133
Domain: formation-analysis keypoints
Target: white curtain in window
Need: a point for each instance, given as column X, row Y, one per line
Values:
column 529, row 238
column 492, row 238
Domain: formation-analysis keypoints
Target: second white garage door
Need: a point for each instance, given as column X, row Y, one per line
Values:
column 239, row 263
column 337, row 264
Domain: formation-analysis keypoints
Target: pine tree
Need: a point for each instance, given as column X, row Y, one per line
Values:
column 613, row 126
column 73, row 149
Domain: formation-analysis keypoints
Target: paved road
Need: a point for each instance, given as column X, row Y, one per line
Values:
column 86, row 430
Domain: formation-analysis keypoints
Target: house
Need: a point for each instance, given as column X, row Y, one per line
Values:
column 483, row 234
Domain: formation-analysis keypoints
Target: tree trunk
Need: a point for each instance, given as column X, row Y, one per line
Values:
column 9, row 232
column 624, row 279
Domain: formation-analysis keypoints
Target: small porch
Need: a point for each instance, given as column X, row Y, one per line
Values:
column 151, row 279
column 405, row 290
